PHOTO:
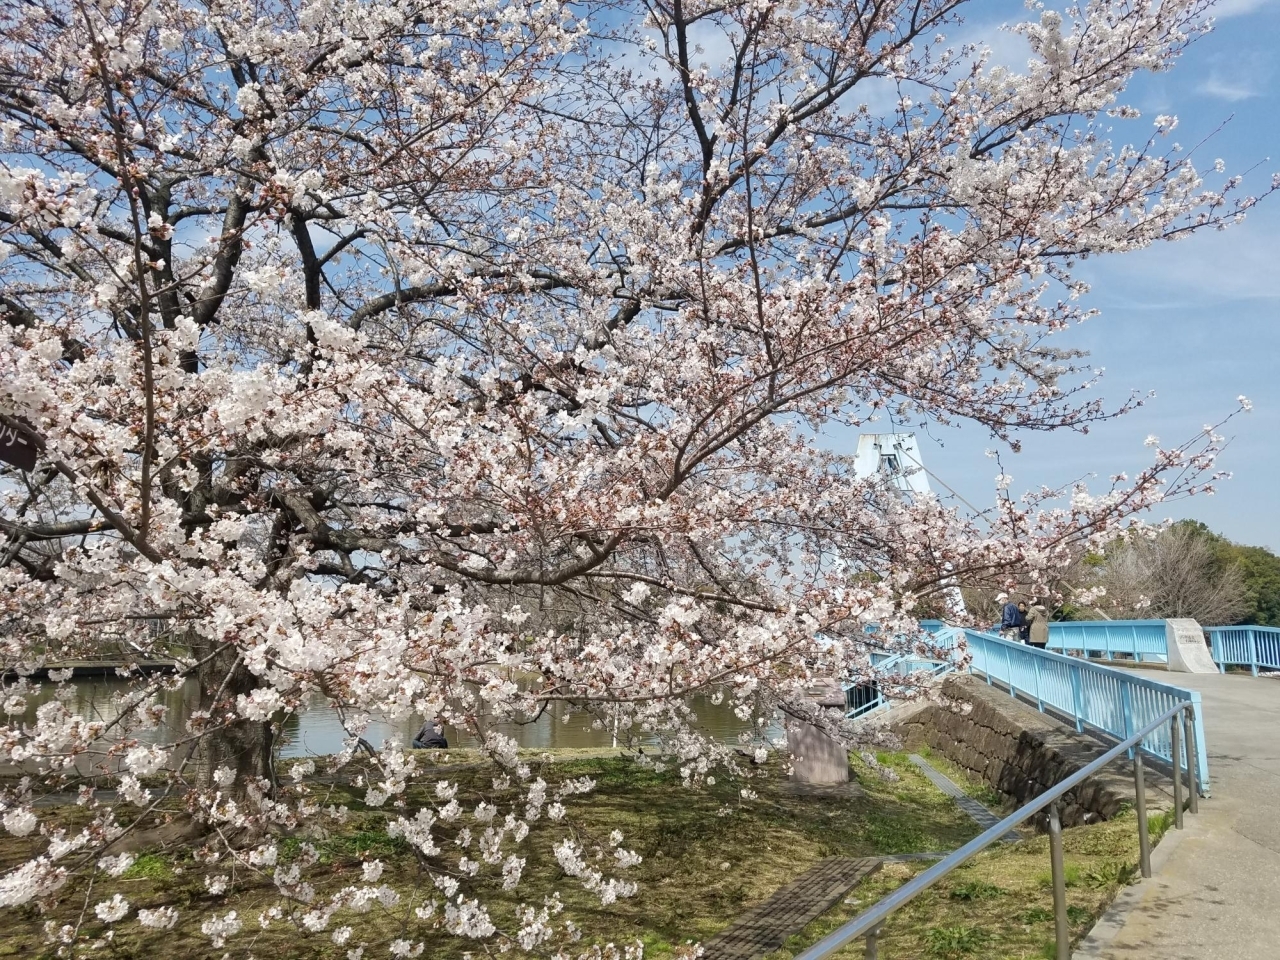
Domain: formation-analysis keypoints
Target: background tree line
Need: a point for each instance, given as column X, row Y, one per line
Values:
column 1185, row 570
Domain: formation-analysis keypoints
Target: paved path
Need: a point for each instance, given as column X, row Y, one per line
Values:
column 1217, row 895
column 976, row 811
column 766, row 926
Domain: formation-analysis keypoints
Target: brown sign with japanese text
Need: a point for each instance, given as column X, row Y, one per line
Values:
column 17, row 446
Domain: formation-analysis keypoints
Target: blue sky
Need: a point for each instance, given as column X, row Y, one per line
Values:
column 1196, row 321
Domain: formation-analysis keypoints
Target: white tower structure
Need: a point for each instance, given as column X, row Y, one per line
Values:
column 897, row 457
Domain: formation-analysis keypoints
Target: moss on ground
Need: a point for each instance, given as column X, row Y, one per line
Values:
column 707, row 856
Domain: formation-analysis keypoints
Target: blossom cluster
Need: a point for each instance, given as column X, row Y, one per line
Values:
column 473, row 359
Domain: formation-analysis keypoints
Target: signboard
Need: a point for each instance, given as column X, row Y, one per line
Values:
column 1188, row 653
column 17, row 445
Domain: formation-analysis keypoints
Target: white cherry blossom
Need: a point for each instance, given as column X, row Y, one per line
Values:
column 408, row 370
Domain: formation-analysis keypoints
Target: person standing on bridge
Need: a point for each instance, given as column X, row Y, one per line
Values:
column 1011, row 620
column 1038, row 627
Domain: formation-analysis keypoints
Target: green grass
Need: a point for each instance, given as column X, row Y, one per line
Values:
column 953, row 942
column 1070, row 876
column 1111, row 873
column 707, row 856
column 999, row 905
column 149, row 866
column 365, row 841
column 975, row 890
column 1158, row 824
column 978, row 789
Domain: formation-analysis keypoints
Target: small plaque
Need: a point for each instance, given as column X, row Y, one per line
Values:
column 17, row 445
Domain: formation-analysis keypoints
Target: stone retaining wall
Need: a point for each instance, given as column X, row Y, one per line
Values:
column 1021, row 752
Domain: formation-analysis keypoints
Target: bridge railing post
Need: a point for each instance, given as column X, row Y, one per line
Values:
column 1061, row 923
column 1140, row 805
column 1189, row 740
column 1077, row 694
column 1175, row 754
column 873, row 948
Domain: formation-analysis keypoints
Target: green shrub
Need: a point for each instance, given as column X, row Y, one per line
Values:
column 976, row 890
column 1070, row 874
column 953, row 942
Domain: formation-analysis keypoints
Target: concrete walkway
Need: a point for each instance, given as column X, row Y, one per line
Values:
column 1217, row 894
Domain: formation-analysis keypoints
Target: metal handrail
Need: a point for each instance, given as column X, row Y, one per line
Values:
column 869, row 922
column 1092, row 695
column 885, row 670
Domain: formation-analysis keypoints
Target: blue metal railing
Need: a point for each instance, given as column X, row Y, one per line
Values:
column 1246, row 646
column 1145, row 640
column 864, row 698
column 1104, row 700
column 1139, row 639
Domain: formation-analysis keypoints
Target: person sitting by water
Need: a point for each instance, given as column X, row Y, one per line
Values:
column 431, row 736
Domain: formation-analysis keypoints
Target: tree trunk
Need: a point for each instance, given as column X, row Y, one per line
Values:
column 246, row 747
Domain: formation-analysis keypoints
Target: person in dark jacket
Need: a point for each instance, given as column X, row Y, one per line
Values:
column 431, row 736
column 1011, row 620
column 1024, row 623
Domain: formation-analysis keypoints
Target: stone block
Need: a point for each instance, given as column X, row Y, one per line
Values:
column 819, row 757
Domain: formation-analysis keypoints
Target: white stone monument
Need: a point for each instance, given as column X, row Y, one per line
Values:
column 1188, row 653
column 897, row 458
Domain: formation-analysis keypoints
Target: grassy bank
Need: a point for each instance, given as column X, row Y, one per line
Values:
column 707, row 855
column 999, row 905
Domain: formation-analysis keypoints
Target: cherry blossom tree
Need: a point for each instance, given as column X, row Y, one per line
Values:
column 467, row 357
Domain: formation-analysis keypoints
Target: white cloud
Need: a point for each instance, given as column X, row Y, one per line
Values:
column 1236, row 8
column 1008, row 49
column 1232, row 89
column 1214, row 267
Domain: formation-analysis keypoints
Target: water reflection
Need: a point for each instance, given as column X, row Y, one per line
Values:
column 317, row 729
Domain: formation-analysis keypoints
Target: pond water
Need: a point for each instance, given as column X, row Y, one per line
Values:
column 317, row 730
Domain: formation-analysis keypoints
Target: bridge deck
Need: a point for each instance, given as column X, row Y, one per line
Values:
column 1217, row 897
